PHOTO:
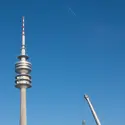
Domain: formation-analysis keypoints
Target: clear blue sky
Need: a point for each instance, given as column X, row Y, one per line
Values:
column 76, row 47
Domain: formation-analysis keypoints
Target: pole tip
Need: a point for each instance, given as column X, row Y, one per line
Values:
column 86, row 96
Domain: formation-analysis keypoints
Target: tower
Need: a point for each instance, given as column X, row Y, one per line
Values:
column 23, row 78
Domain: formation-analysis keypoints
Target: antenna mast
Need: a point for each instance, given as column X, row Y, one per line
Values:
column 23, row 49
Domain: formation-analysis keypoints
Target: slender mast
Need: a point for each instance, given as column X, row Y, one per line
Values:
column 92, row 110
column 23, row 49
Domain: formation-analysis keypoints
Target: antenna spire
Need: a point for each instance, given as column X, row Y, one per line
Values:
column 23, row 49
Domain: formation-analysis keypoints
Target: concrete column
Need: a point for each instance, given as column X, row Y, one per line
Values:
column 23, row 119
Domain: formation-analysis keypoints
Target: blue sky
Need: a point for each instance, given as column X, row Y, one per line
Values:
column 76, row 47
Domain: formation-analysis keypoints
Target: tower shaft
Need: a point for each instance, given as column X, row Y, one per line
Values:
column 23, row 116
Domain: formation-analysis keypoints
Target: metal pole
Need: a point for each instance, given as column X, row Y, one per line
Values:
column 92, row 110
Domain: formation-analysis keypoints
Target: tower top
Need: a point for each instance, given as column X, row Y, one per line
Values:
column 23, row 67
column 23, row 46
